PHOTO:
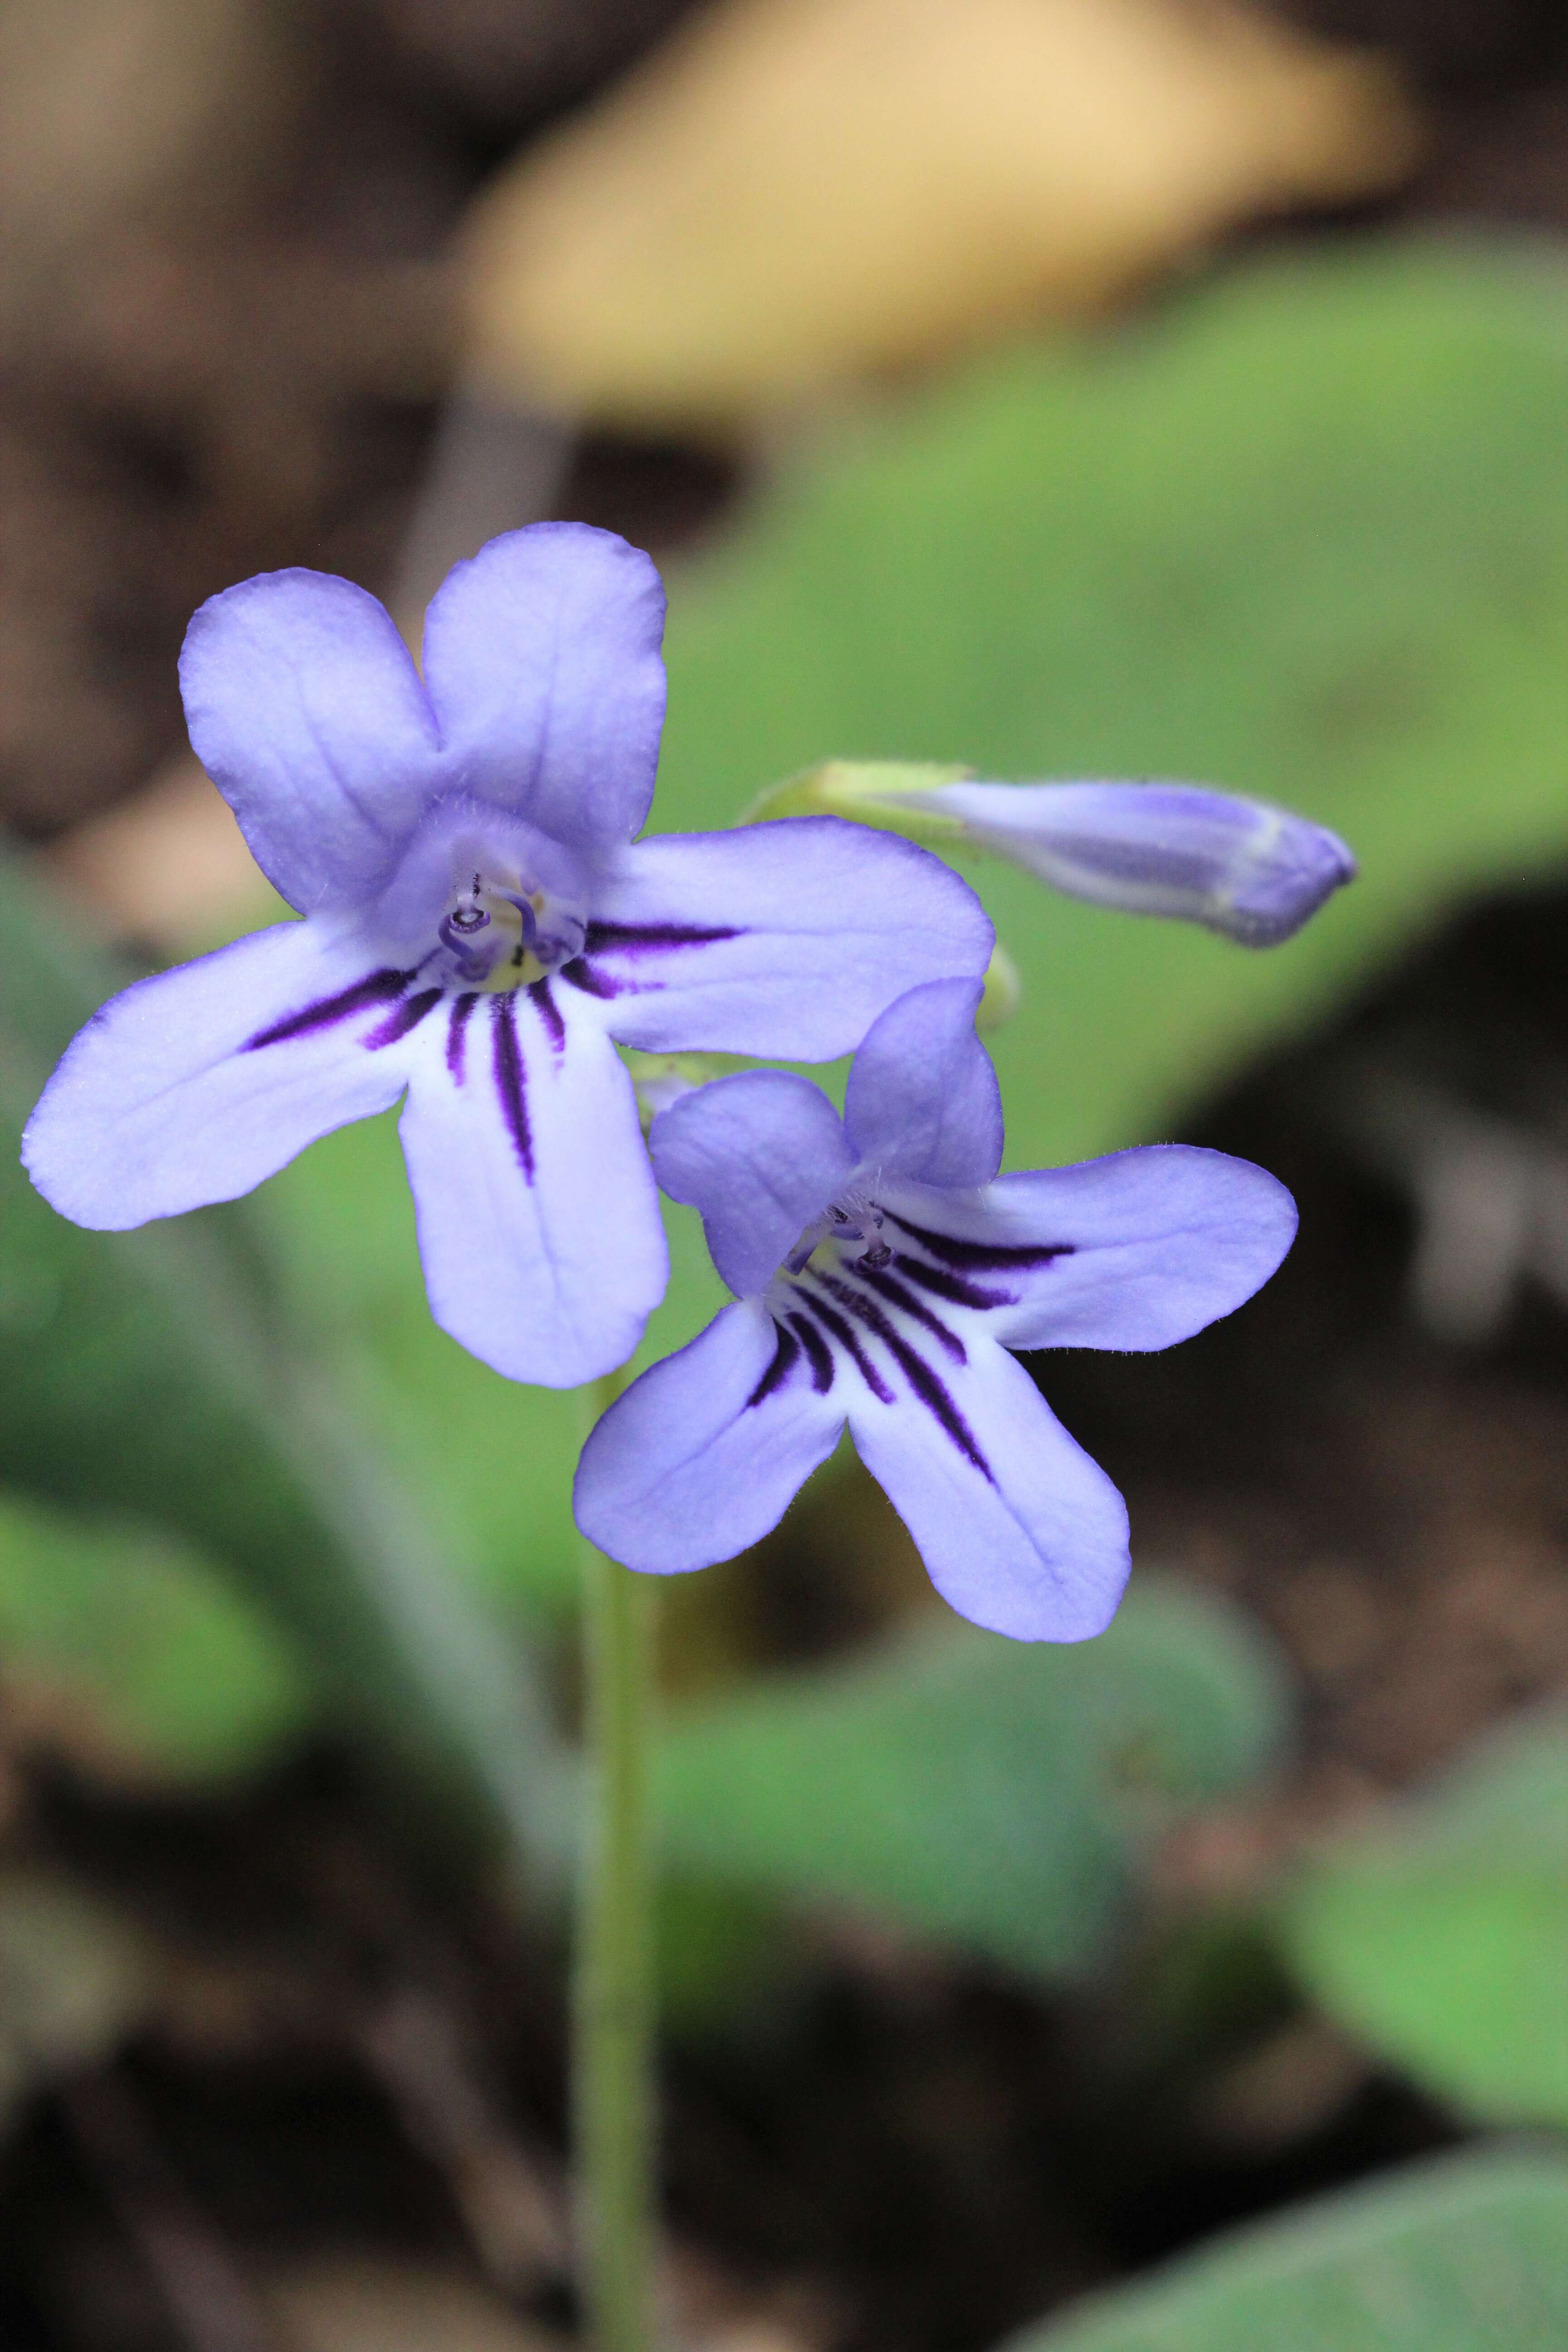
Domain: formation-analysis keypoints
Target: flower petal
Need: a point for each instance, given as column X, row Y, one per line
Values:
column 541, row 657
column 1019, row 1530
column 1243, row 867
column 307, row 713
column 193, row 1085
column 922, row 1098
column 787, row 938
column 538, row 1220
column 701, row 1456
column 760, row 1154
column 1137, row 1250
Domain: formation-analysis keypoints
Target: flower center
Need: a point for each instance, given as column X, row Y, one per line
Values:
column 504, row 929
column 848, row 1230
column 479, row 901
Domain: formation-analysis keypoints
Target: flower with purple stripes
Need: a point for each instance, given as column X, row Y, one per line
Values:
column 882, row 1272
column 479, row 929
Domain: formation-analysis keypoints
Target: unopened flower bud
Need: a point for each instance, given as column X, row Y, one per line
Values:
column 1238, row 866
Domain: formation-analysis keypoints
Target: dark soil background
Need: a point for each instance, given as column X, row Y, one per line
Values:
column 896, row 2154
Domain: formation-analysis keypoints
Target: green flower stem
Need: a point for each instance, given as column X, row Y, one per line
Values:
column 613, row 2093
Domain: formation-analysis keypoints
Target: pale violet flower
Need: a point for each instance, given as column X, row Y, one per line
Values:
column 883, row 1271
column 1243, row 867
column 479, row 927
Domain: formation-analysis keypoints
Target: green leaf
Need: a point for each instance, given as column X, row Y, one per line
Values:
column 174, row 1667
column 1305, row 536
column 75, row 1977
column 987, row 1791
column 1466, row 2253
column 1442, row 1938
column 145, row 1373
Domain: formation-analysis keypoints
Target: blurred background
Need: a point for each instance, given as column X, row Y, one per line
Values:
column 1056, row 387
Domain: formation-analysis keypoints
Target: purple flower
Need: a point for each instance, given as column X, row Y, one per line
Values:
column 479, row 927
column 883, row 1271
column 1242, row 867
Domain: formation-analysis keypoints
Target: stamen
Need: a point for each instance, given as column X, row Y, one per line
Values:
column 525, row 915
column 854, row 1225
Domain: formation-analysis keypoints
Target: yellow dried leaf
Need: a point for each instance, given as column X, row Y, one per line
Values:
column 794, row 192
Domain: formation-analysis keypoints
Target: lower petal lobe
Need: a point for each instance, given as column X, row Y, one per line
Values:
column 703, row 1454
column 194, row 1085
column 537, row 1215
column 1019, row 1530
column 1136, row 1251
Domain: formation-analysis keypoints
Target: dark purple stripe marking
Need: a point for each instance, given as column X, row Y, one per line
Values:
column 786, row 1355
column 550, row 1014
column 636, row 939
column 950, row 1286
column 457, row 1035
column 836, row 1327
column 511, row 1082
column 818, row 1353
column 329, row 1010
column 927, row 1387
column 888, row 1286
column 402, row 1019
column 581, row 974
column 655, row 939
column 983, row 1253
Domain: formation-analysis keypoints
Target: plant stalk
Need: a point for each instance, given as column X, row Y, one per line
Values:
column 612, row 2090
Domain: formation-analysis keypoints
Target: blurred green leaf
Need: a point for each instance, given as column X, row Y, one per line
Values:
column 1305, row 536
column 174, row 1667
column 722, row 1949
column 76, row 1976
column 1466, row 2253
column 1442, row 1938
column 983, row 1790
column 144, row 1372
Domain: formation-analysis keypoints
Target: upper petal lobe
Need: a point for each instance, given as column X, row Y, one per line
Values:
column 194, row 1085
column 760, row 1155
column 922, row 1099
column 788, row 938
column 307, row 713
column 542, row 660
column 537, row 1215
column 703, row 1453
